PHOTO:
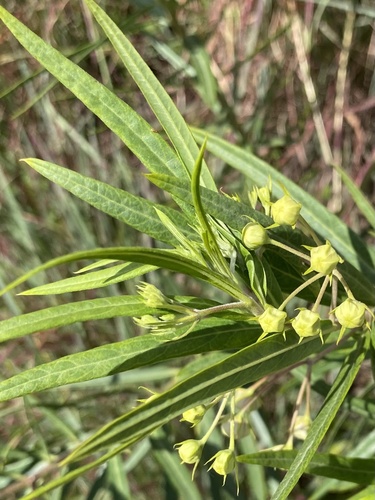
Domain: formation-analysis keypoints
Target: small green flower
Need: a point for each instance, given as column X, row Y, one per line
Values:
column 254, row 236
column 272, row 320
column 224, row 462
column 152, row 296
column 324, row 259
column 285, row 211
column 190, row 452
column 194, row 415
column 307, row 324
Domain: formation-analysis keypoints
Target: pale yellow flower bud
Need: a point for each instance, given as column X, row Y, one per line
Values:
column 254, row 235
column 272, row 320
column 351, row 313
column 324, row 259
column 194, row 415
column 307, row 323
column 224, row 462
column 285, row 211
column 303, row 424
column 190, row 451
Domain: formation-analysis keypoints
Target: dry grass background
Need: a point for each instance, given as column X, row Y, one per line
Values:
column 292, row 81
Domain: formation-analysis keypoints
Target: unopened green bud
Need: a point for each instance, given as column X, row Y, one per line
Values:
column 351, row 313
column 194, row 415
column 286, row 211
column 324, row 259
column 190, row 451
column 152, row 296
column 307, row 324
column 224, row 462
column 254, row 235
column 272, row 320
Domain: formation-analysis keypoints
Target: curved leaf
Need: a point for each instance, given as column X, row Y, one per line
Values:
column 212, row 334
column 133, row 210
column 167, row 259
column 352, row 469
column 161, row 104
column 133, row 130
column 249, row 364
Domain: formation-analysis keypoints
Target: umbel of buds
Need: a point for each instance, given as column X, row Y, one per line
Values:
column 254, row 235
column 324, row 259
column 285, row 211
column 307, row 324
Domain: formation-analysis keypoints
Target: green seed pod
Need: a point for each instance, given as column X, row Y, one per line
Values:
column 190, row 451
column 351, row 313
column 272, row 320
column 307, row 324
column 254, row 235
column 194, row 415
column 286, row 211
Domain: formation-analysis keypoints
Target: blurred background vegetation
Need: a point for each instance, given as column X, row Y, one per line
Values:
column 294, row 82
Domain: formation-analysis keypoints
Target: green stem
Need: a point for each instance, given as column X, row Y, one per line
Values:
column 290, row 249
column 205, row 438
column 341, row 279
column 321, row 293
column 299, row 289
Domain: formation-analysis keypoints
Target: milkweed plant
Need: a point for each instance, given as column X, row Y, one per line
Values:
column 296, row 285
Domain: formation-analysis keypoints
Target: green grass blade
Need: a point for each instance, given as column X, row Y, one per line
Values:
column 322, row 422
column 133, row 130
column 133, row 210
column 330, row 227
column 352, row 469
column 359, row 198
column 102, row 361
column 155, row 94
column 249, row 364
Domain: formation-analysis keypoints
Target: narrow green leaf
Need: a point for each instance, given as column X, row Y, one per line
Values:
column 133, row 130
column 167, row 259
column 359, row 198
column 322, row 422
column 67, row 314
column 354, row 470
column 247, row 365
column 155, row 94
column 330, row 227
column 133, row 210
column 96, row 279
column 211, row 334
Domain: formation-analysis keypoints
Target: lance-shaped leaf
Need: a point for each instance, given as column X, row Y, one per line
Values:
column 102, row 361
column 167, row 259
column 352, row 469
column 133, row 210
column 131, row 128
column 161, row 104
column 246, row 366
